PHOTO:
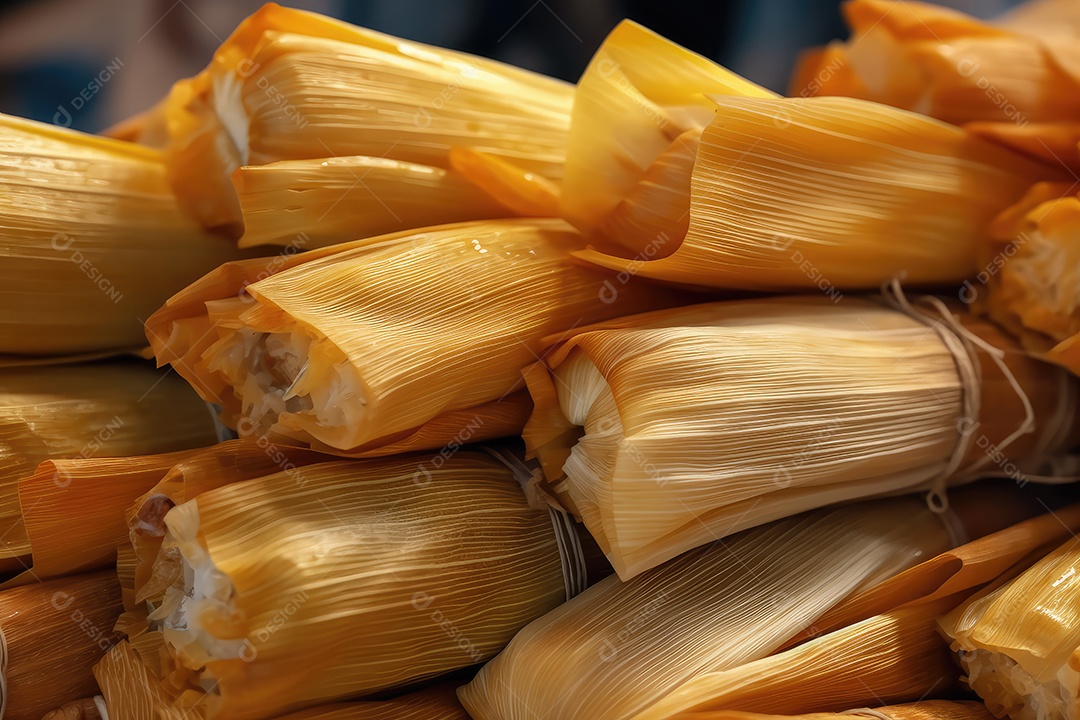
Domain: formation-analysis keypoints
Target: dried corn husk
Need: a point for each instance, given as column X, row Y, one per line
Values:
column 922, row 710
column 85, row 709
column 1030, row 273
column 1019, row 644
column 305, row 204
column 357, row 579
column 1013, row 79
column 621, row 647
column 52, row 634
column 73, row 510
column 95, row 217
column 292, row 85
column 820, row 193
column 437, row 703
column 410, row 341
column 895, row 657
column 668, row 430
column 97, row 410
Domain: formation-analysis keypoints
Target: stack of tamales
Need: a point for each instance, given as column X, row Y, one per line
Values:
column 474, row 405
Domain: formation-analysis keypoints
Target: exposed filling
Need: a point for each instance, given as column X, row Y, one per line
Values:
column 1045, row 267
column 1007, row 688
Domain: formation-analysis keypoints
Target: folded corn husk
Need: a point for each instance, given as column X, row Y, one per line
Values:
column 705, row 179
column 293, row 85
column 97, row 410
column 1015, row 80
column 668, row 430
column 922, row 710
column 305, row 204
column 436, row 703
column 52, row 633
column 409, row 341
column 96, row 218
column 621, row 647
column 85, row 709
column 355, row 579
column 1019, row 644
column 1028, row 283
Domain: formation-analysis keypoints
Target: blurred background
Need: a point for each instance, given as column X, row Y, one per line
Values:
column 90, row 63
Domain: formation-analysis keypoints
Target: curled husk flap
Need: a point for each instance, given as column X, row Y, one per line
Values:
column 410, row 341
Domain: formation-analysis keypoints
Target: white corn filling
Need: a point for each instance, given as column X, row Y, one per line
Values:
column 1007, row 688
column 272, row 375
column 1046, row 266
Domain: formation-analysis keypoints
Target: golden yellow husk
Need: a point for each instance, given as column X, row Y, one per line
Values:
column 922, row 710
column 293, row 85
column 667, row 430
column 94, row 217
column 410, row 341
column 99, row 410
column 85, row 709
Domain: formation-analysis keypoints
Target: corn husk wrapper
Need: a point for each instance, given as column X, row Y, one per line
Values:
column 990, row 555
column 436, row 703
column 620, row 647
column 1019, row 644
column 293, row 85
column 85, row 709
column 923, row 710
column 73, row 510
column 305, row 204
column 356, row 580
column 209, row 469
column 1015, row 79
column 53, row 633
column 668, row 430
column 95, row 217
column 100, row 410
column 890, row 658
column 797, row 194
column 410, row 341
column 1029, row 281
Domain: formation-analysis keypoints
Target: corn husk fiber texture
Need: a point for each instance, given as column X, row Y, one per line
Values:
column 356, row 580
column 621, row 647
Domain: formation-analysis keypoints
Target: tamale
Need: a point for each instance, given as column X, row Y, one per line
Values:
column 701, row 178
column 922, row 710
column 620, row 647
column 73, row 510
column 1014, row 79
column 293, row 85
column 81, row 411
column 410, row 341
column 305, row 204
column 355, row 580
column 1019, row 644
column 94, row 217
column 85, row 709
column 670, row 429
column 1030, row 281
column 52, row 634
column 436, row 703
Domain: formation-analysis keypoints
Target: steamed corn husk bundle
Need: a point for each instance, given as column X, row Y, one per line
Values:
column 620, row 647
column 305, row 204
column 410, row 341
column 1029, row 283
column 95, row 217
column 435, row 703
column 293, row 85
column 922, row 710
column 355, row 579
column 73, row 510
column 705, row 179
column 84, row 709
column 89, row 411
column 665, row 431
column 1016, row 79
column 52, row 634
column 1019, row 643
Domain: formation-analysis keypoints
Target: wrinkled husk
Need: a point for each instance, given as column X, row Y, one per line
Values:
column 91, row 241
column 667, row 430
column 922, row 710
column 410, row 341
